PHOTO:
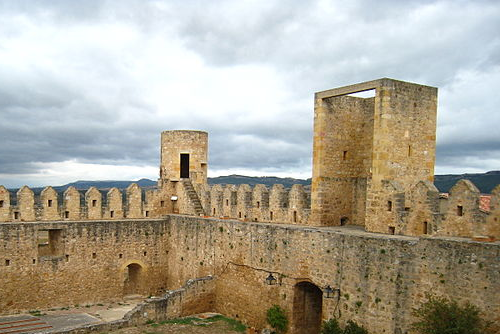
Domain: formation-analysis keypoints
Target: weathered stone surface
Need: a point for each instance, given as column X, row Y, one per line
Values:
column 177, row 142
column 93, row 199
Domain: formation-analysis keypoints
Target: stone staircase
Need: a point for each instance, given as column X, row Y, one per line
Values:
column 22, row 324
column 193, row 197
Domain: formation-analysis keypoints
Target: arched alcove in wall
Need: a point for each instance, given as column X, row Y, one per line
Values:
column 133, row 279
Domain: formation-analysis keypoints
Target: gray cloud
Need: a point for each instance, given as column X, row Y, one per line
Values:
column 96, row 82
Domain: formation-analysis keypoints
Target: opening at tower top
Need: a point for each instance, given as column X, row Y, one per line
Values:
column 185, row 165
column 364, row 94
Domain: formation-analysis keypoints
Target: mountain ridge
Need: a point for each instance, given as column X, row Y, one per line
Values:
column 485, row 182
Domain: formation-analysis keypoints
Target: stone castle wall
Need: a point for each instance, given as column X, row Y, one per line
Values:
column 380, row 277
column 49, row 264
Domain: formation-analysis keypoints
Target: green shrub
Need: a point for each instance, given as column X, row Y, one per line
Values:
column 440, row 315
column 277, row 319
column 332, row 327
column 354, row 328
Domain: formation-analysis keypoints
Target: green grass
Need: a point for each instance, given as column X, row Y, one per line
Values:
column 36, row 313
column 232, row 323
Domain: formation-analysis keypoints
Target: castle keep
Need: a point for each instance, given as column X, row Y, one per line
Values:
column 373, row 227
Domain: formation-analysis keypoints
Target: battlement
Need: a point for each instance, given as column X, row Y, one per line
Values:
column 74, row 204
column 421, row 210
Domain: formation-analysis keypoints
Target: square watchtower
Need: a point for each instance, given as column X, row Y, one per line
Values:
column 361, row 143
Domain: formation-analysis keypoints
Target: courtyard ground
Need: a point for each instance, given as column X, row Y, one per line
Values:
column 64, row 318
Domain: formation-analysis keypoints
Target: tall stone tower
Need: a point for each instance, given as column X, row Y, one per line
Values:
column 184, row 156
column 367, row 150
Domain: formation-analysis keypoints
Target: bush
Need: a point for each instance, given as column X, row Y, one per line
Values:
column 277, row 319
column 354, row 328
column 332, row 327
column 440, row 315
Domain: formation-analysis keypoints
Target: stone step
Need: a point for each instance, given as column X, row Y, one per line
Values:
column 22, row 325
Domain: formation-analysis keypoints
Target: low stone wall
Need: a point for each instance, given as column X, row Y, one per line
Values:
column 196, row 296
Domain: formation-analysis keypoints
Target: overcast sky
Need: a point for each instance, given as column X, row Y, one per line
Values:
column 86, row 87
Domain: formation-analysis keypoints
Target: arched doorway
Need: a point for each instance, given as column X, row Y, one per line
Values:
column 133, row 278
column 307, row 308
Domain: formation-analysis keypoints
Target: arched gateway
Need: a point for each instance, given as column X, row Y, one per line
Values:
column 307, row 308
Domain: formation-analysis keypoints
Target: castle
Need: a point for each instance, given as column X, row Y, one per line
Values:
column 373, row 230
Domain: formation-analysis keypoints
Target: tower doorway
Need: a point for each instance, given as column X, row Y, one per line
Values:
column 184, row 165
column 307, row 308
column 133, row 278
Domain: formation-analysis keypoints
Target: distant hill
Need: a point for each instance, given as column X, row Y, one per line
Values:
column 484, row 181
column 109, row 184
column 288, row 182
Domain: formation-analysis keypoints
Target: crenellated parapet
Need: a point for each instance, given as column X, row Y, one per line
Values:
column 73, row 204
column 258, row 203
column 422, row 210
column 419, row 211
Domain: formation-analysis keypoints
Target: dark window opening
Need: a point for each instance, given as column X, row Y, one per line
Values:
column 258, row 204
column 120, row 256
column 162, row 203
column 255, row 219
column 424, row 227
column 1, row 204
column 389, row 205
column 16, row 215
column 227, row 202
column 407, row 208
column 295, row 216
column 111, row 214
column 184, row 166
column 94, row 255
column 67, row 258
column 66, row 214
column 34, row 261
column 460, row 210
column 409, row 150
column 7, row 262
column 145, row 253
column 214, row 211
column 94, row 202
column 344, row 221
column 271, row 215
column 49, row 203
column 239, row 214
column 344, row 155
column 392, row 230
column 147, row 213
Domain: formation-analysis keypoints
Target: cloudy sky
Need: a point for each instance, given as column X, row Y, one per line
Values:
column 86, row 87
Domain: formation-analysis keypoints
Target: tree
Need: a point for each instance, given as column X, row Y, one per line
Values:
column 440, row 315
